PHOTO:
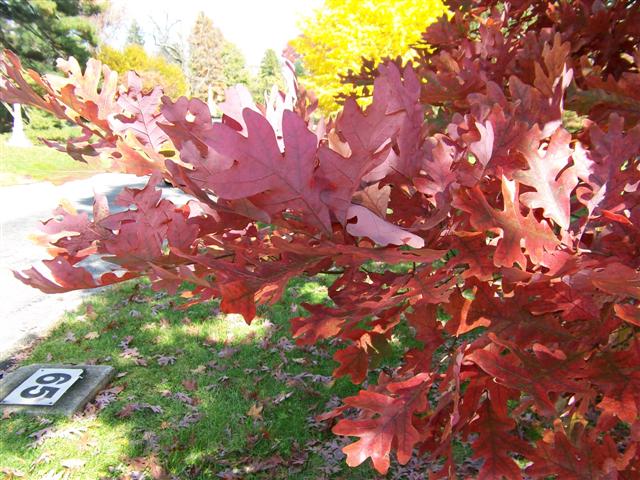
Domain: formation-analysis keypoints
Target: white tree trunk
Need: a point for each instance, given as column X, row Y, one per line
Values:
column 18, row 138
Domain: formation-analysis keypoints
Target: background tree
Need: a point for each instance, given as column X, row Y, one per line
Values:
column 270, row 74
column 135, row 35
column 234, row 65
column 337, row 35
column 153, row 69
column 40, row 31
column 109, row 22
column 171, row 44
column 206, row 45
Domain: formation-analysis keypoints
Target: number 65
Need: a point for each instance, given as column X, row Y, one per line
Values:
column 44, row 391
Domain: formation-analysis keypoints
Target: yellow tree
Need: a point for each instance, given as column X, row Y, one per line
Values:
column 336, row 36
column 154, row 70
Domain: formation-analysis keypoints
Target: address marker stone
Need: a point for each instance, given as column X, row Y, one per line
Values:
column 41, row 389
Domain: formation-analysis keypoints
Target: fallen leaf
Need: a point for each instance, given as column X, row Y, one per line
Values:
column 70, row 337
column 190, row 419
column 130, row 353
column 91, row 336
column 190, row 385
column 184, row 398
column 281, row 397
column 141, row 362
column 127, row 410
column 73, row 463
column 54, row 475
column 150, row 464
column 255, row 411
column 87, row 442
column 105, row 397
column 11, row 473
column 227, row 352
column 163, row 361
column 44, row 458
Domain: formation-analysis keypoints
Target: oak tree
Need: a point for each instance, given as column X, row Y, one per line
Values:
column 459, row 217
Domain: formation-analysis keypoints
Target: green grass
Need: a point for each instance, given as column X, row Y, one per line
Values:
column 37, row 163
column 237, row 367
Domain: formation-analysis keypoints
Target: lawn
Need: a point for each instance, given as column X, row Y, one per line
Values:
column 24, row 165
column 197, row 395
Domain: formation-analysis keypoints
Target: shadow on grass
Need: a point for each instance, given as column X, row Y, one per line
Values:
column 197, row 395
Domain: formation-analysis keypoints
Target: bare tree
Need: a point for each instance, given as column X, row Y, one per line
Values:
column 109, row 22
column 169, row 40
column 171, row 44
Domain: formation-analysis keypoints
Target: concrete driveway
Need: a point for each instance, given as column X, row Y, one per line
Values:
column 26, row 314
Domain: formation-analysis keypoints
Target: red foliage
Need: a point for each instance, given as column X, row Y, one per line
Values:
column 517, row 235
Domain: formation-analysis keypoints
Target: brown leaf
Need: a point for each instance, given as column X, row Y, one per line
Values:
column 281, row 397
column 255, row 411
column 127, row 410
column 227, row 352
column 91, row 336
column 70, row 337
column 150, row 464
column 190, row 385
column 10, row 473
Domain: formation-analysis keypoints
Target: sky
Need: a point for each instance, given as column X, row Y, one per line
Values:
column 253, row 25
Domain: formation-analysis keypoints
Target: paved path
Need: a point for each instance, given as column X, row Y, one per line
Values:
column 25, row 313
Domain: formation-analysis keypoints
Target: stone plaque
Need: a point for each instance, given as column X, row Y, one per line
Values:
column 57, row 389
column 44, row 387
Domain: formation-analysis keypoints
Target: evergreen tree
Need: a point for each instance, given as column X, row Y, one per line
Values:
column 234, row 65
column 270, row 74
column 206, row 45
column 41, row 31
column 135, row 35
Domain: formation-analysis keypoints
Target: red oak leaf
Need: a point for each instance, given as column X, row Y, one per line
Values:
column 368, row 224
column 517, row 230
column 141, row 114
column 389, row 419
column 553, row 189
column 494, row 442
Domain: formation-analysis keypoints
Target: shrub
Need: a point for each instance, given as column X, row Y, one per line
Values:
column 456, row 204
column 42, row 124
